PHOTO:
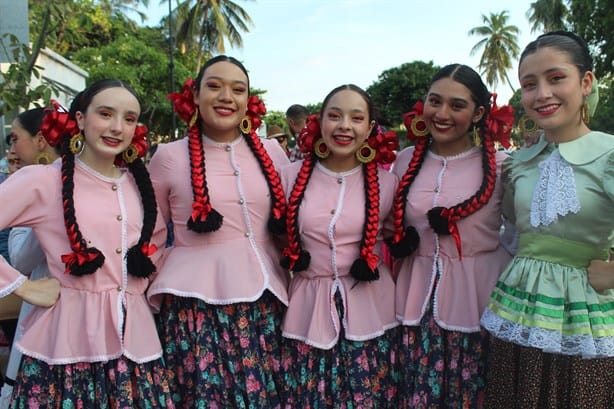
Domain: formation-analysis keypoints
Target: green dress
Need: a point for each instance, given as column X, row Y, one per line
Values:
column 561, row 200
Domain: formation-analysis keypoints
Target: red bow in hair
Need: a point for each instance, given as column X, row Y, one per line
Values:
column 200, row 210
column 139, row 140
column 57, row 123
column 255, row 110
column 183, row 102
column 79, row 258
column 415, row 123
column 149, row 249
column 499, row 122
column 309, row 134
column 385, row 144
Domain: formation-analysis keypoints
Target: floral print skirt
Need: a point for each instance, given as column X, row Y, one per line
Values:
column 223, row 356
column 350, row 375
column 116, row 384
column 441, row 368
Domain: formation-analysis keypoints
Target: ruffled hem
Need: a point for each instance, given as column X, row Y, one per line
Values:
column 549, row 341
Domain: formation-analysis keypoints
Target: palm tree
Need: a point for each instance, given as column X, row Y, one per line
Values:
column 204, row 26
column 547, row 15
column 500, row 47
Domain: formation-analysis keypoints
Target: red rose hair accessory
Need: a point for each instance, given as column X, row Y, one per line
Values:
column 415, row 123
column 309, row 134
column 183, row 102
column 255, row 111
column 385, row 144
column 499, row 122
column 58, row 124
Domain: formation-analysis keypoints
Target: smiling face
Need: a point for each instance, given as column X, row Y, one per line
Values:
column 450, row 113
column 345, row 126
column 553, row 91
column 222, row 100
column 108, row 125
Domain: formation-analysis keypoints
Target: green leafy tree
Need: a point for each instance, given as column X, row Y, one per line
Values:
column 15, row 89
column 593, row 20
column 397, row 89
column 499, row 45
column 204, row 26
column 547, row 15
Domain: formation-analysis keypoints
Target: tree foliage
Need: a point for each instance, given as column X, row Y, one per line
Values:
column 547, row 15
column 397, row 89
column 499, row 45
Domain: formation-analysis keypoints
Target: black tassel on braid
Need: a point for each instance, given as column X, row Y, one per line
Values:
column 138, row 262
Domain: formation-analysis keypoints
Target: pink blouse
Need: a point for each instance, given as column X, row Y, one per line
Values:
column 465, row 285
column 101, row 316
column 331, row 219
column 236, row 263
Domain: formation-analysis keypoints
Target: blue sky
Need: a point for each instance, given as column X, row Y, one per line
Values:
column 298, row 50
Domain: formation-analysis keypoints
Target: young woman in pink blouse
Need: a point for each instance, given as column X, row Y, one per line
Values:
column 221, row 292
column 91, row 339
column 339, row 337
column 447, row 215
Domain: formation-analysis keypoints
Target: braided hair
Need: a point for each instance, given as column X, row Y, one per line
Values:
column 296, row 258
column 443, row 219
column 204, row 217
column 58, row 128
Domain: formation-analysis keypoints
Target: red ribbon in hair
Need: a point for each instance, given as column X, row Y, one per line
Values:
column 499, row 122
column 183, row 102
column 200, row 210
column 291, row 257
column 371, row 259
column 255, row 110
column 57, row 124
column 385, row 144
column 454, row 232
column 309, row 134
column 80, row 258
column 149, row 249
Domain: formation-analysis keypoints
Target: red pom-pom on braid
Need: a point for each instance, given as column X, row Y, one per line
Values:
column 277, row 219
column 294, row 257
column 365, row 268
column 405, row 241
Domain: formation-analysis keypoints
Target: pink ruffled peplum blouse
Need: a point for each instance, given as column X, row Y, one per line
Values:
column 101, row 316
column 236, row 263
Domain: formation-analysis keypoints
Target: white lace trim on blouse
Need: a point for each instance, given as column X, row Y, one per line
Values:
column 555, row 193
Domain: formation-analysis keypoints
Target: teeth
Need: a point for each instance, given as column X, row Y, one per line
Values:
column 547, row 108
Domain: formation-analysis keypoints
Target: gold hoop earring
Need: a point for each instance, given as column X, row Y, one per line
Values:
column 194, row 118
column 477, row 141
column 76, row 143
column 245, row 125
column 365, row 153
column 130, row 154
column 585, row 114
column 527, row 126
column 43, row 158
column 320, row 149
column 418, row 126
